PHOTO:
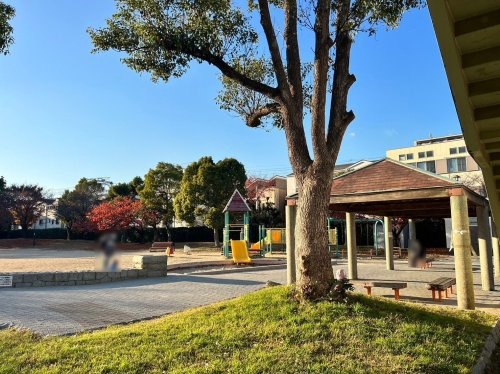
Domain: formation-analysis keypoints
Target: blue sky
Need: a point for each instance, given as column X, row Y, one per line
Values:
column 67, row 114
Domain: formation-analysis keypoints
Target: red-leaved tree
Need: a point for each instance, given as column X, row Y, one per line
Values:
column 115, row 215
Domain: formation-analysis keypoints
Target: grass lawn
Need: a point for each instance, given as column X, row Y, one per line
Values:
column 265, row 332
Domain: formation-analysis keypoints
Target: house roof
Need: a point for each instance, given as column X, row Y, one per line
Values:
column 237, row 203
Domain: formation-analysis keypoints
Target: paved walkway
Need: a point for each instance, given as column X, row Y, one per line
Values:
column 67, row 310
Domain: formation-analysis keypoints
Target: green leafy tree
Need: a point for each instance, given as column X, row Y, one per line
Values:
column 130, row 189
column 6, row 219
column 73, row 206
column 283, row 58
column 26, row 204
column 205, row 190
column 161, row 186
column 6, row 39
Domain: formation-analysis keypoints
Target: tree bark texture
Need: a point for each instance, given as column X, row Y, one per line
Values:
column 314, row 268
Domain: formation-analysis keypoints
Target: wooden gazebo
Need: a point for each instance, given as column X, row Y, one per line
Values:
column 391, row 189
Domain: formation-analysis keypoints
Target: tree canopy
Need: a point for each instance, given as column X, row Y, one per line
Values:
column 205, row 190
column 73, row 206
column 131, row 188
column 278, row 59
column 7, row 13
column 161, row 186
column 26, row 204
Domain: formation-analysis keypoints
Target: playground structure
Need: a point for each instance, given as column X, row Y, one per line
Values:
column 333, row 233
column 269, row 237
column 236, row 204
column 274, row 239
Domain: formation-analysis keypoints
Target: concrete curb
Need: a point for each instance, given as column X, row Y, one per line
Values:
column 243, row 269
column 204, row 264
column 489, row 346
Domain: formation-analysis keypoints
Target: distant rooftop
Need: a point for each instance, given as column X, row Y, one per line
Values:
column 441, row 139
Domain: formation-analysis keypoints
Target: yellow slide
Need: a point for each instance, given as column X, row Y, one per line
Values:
column 255, row 246
column 240, row 252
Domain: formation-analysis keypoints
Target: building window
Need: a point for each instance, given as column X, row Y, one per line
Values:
column 412, row 164
column 402, row 157
column 57, row 222
column 40, row 222
column 427, row 166
column 456, row 165
column 421, row 154
column 409, row 156
column 462, row 150
column 453, row 151
column 429, row 153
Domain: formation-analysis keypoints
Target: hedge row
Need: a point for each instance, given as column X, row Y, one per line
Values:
column 177, row 234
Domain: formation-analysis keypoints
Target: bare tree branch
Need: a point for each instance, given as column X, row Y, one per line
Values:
column 321, row 53
column 292, row 52
column 267, row 25
column 254, row 119
column 342, row 80
column 224, row 67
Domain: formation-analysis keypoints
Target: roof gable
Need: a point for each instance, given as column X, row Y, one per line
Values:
column 236, row 203
column 387, row 175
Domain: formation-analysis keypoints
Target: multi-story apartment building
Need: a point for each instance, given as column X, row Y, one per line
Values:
column 446, row 156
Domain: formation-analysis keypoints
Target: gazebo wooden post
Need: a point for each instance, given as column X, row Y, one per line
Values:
column 485, row 251
column 351, row 246
column 389, row 245
column 496, row 251
column 290, row 211
column 462, row 248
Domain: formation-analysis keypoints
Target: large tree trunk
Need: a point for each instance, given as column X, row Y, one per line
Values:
column 314, row 269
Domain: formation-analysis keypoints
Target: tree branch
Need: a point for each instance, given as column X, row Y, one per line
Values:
column 321, row 56
column 224, row 67
column 292, row 52
column 340, row 118
column 267, row 25
column 254, row 119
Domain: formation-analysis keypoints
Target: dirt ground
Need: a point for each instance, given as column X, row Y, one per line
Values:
column 19, row 255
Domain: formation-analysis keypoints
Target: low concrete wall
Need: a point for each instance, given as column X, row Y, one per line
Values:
column 142, row 267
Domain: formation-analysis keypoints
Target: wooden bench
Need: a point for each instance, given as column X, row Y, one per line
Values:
column 162, row 247
column 440, row 285
column 394, row 285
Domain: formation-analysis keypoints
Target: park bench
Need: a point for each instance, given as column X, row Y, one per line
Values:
column 440, row 285
column 162, row 247
column 394, row 285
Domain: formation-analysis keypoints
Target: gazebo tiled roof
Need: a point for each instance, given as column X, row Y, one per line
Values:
column 390, row 188
column 387, row 175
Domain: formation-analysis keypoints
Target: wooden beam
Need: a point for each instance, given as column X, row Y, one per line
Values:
column 492, row 147
column 430, row 193
column 488, row 86
column 490, row 136
column 481, row 57
column 477, row 23
column 406, row 206
column 488, row 112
